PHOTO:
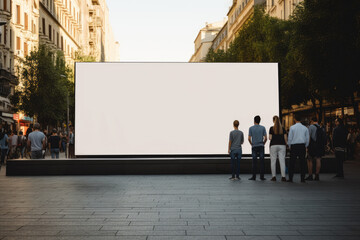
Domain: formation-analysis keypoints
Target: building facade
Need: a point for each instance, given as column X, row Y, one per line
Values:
column 204, row 40
column 71, row 26
column 281, row 9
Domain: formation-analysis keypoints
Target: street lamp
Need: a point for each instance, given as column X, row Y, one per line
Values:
column 67, row 118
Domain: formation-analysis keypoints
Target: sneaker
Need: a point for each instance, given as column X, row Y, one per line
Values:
column 252, row 179
column 262, row 179
column 231, row 178
column 237, row 178
column 273, row 179
column 283, row 179
column 309, row 178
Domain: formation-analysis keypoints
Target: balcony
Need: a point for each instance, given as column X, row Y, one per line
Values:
column 7, row 76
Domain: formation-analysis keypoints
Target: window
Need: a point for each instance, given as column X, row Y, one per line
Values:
column 25, row 49
column 18, row 43
column 62, row 43
column 50, row 32
column 32, row 26
column 57, row 40
column 5, row 5
column 43, row 26
column 18, row 18
column 26, row 21
column 5, row 34
column 11, row 38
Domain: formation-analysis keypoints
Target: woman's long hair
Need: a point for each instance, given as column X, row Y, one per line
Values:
column 278, row 129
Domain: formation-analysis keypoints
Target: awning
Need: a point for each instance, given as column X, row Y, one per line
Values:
column 8, row 120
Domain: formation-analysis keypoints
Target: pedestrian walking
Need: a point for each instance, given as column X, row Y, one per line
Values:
column 298, row 141
column 257, row 139
column 278, row 142
column 316, row 149
column 4, row 144
column 236, row 139
column 54, row 144
column 36, row 142
column 72, row 143
column 339, row 145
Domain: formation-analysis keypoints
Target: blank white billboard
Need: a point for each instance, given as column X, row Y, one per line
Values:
column 170, row 108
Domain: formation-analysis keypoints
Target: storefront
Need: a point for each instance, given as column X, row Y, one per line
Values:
column 23, row 122
column 7, row 121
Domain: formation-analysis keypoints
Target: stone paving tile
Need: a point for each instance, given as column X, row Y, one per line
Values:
column 186, row 238
column 185, row 207
column 252, row 238
column 77, row 238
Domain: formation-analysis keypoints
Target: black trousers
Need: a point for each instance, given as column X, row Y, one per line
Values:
column 340, row 158
column 297, row 151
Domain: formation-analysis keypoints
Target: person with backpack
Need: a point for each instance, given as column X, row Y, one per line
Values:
column 22, row 144
column 316, row 149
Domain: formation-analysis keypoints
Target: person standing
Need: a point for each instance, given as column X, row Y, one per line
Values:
column 71, row 143
column 54, row 144
column 36, row 142
column 22, row 144
column 13, row 144
column 316, row 149
column 298, row 141
column 4, row 144
column 278, row 141
column 64, row 143
column 339, row 144
column 257, row 139
column 236, row 139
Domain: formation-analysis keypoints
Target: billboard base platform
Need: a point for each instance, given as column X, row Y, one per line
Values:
column 141, row 166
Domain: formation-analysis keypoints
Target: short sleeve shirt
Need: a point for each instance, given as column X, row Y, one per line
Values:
column 36, row 139
column 257, row 133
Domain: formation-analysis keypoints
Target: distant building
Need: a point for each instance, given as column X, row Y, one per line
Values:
column 204, row 40
column 281, row 9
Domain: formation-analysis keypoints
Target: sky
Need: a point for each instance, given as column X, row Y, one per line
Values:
column 161, row 30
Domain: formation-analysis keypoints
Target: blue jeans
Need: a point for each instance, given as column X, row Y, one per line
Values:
column 55, row 153
column 4, row 153
column 235, row 162
column 258, row 152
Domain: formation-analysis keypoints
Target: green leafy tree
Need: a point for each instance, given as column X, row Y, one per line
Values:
column 325, row 49
column 43, row 88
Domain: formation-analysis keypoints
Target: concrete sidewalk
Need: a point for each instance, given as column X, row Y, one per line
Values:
column 179, row 207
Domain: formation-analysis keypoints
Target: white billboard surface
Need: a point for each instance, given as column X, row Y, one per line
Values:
column 170, row 108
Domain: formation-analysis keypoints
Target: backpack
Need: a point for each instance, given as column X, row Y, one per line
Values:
column 320, row 142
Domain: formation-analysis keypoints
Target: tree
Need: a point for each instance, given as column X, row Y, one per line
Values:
column 43, row 88
column 325, row 49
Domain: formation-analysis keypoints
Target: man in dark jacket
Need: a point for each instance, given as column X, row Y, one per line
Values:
column 339, row 144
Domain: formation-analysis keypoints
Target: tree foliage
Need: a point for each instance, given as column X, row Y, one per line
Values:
column 44, row 85
column 318, row 50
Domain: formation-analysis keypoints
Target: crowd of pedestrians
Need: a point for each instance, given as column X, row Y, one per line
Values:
column 35, row 144
column 306, row 145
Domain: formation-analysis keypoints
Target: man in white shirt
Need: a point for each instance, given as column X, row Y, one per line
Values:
column 298, row 141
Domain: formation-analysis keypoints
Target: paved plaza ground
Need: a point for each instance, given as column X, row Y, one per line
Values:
column 201, row 207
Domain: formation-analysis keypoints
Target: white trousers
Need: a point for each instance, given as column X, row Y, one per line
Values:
column 278, row 151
